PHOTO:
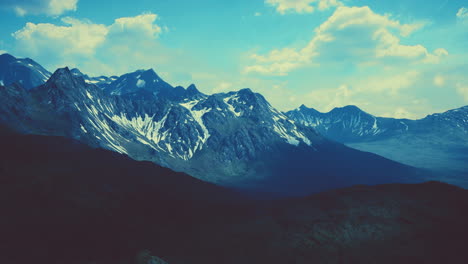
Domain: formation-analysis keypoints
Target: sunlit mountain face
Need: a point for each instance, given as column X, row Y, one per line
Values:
column 127, row 133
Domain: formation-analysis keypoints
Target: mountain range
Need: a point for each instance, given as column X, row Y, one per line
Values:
column 437, row 142
column 234, row 139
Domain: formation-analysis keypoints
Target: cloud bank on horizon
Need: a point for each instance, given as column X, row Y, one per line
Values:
column 400, row 62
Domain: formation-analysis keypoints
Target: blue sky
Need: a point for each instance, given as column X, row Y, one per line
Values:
column 391, row 58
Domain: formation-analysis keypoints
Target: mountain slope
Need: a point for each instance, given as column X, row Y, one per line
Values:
column 438, row 142
column 64, row 200
column 67, row 203
column 24, row 71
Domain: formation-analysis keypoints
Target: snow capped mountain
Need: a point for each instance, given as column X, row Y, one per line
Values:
column 235, row 138
column 178, row 129
column 24, row 71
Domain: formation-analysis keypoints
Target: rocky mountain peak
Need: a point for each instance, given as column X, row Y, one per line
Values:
column 64, row 78
column 150, row 74
column 192, row 89
column 347, row 109
column 248, row 96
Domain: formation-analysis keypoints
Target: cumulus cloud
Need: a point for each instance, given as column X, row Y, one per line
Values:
column 81, row 40
column 278, row 62
column 379, row 94
column 326, row 99
column 354, row 35
column 75, row 37
column 389, row 85
column 141, row 26
column 302, row 6
column 36, row 7
column 462, row 13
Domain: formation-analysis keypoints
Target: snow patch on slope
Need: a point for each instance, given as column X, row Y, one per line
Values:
column 228, row 101
column 145, row 126
column 100, row 124
column 140, row 83
column 291, row 135
column 89, row 95
column 198, row 117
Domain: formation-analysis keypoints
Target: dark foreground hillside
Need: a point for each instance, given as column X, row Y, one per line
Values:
column 62, row 202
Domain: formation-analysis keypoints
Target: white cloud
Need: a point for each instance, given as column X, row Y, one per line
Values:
column 57, row 7
column 326, row 99
column 141, row 26
column 390, row 84
column 378, row 95
column 257, row 14
column 353, row 35
column 83, row 37
column 36, row 7
column 462, row 13
column 276, row 68
column 128, row 39
column 302, row 6
column 75, row 38
column 277, row 62
column 463, row 91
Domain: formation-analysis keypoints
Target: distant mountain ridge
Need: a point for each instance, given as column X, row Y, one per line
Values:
column 344, row 124
column 438, row 141
column 234, row 139
column 350, row 124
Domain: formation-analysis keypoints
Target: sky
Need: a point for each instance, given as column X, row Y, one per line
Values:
column 403, row 59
